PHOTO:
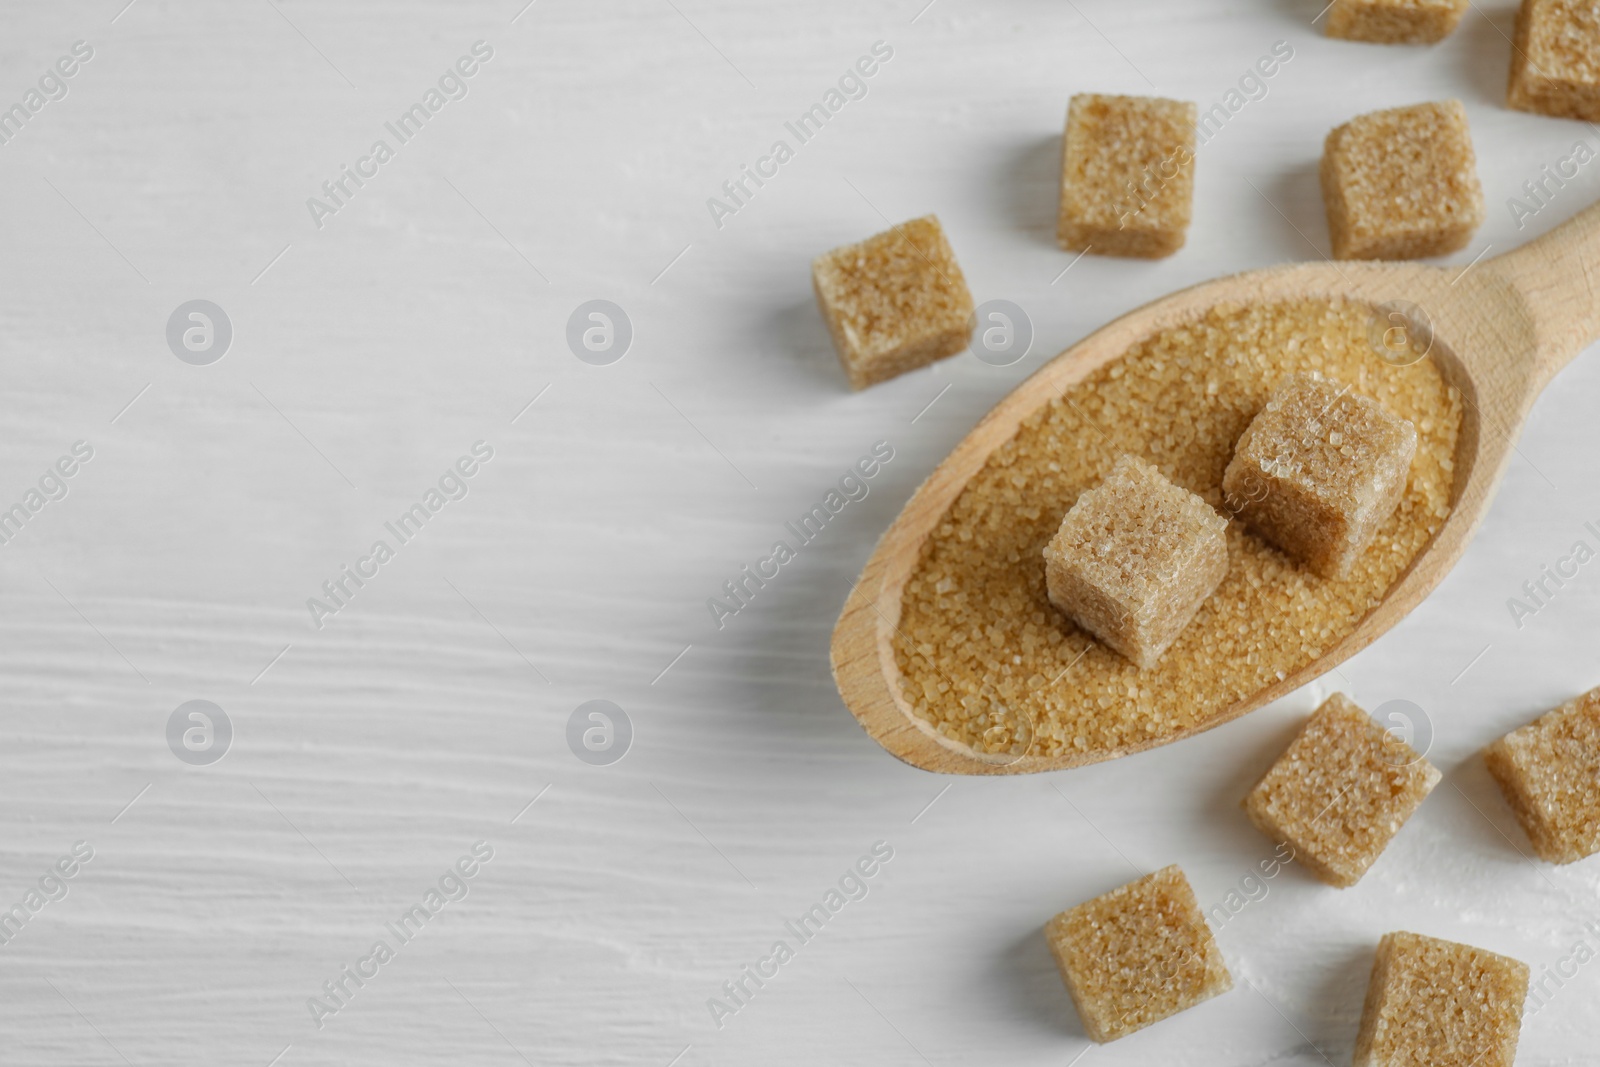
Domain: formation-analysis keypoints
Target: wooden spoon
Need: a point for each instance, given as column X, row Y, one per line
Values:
column 1501, row 328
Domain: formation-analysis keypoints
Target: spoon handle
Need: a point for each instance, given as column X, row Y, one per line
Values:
column 1556, row 275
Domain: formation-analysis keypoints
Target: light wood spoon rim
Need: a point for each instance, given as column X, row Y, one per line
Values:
column 1503, row 327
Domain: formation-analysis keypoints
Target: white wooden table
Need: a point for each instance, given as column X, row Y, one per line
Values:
column 430, row 711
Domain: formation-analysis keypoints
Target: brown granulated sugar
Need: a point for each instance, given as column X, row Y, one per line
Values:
column 988, row 662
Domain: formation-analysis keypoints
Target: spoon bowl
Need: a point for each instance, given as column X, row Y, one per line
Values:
column 1500, row 329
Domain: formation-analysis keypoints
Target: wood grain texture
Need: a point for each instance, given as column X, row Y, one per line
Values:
column 377, row 349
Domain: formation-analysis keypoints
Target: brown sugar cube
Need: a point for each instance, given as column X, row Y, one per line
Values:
column 1549, row 772
column 894, row 302
column 1134, row 559
column 1402, row 184
column 1394, row 21
column 1319, row 471
column 1137, row 955
column 1441, row 1004
column 1127, row 175
column 1340, row 792
column 1555, row 65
